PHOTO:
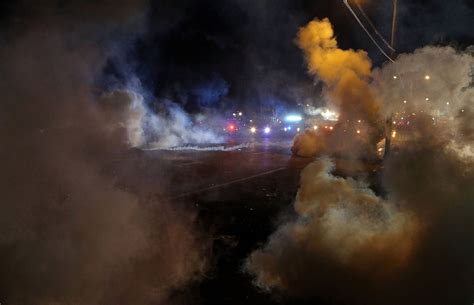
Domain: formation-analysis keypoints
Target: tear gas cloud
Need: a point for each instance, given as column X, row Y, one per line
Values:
column 414, row 245
column 68, row 233
column 346, row 75
column 145, row 128
column 433, row 83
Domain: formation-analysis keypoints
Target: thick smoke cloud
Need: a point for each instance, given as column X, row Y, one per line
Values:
column 344, row 239
column 68, row 234
column 414, row 246
column 346, row 76
column 434, row 83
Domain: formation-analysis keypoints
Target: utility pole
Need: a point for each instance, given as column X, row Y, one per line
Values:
column 388, row 123
column 394, row 23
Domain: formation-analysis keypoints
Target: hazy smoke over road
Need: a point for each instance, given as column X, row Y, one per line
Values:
column 346, row 74
column 414, row 245
column 158, row 130
column 68, row 234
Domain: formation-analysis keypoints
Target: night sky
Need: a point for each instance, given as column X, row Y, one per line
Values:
column 241, row 53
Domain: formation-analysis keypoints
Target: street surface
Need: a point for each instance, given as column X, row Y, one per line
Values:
column 240, row 192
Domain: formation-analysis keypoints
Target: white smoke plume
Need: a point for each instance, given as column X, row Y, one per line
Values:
column 155, row 130
column 208, row 148
column 433, row 83
column 414, row 246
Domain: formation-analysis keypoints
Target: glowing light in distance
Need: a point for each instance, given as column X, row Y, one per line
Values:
column 315, row 127
column 380, row 149
column 427, row 99
column 267, row 130
column 289, row 127
column 427, row 77
column 231, row 127
column 298, row 129
column 240, row 113
column 293, row 118
column 405, row 101
column 285, row 129
column 329, row 115
column 358, row 131
column 233, row 114
column 447, row 103
column 331, row 128
column 359, row 121
column 394, row 134
column 395, row 77
column 253, row 130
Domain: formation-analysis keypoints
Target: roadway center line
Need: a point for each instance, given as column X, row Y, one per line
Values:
column 227, row 183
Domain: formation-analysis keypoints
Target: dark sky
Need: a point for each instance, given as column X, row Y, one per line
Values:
column 233, row 53
column 241, row 53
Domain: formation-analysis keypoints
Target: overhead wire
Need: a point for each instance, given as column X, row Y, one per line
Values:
column 374, row 28
column 367, row 31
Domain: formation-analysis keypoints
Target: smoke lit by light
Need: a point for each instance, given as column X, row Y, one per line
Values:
column 293, row 118
column 329, row 115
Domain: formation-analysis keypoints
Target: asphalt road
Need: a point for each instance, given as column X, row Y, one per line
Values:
column 189, row 173
column 240, row 192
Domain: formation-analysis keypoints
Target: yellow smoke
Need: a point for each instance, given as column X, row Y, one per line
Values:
column 346, row 74
column 325, row 59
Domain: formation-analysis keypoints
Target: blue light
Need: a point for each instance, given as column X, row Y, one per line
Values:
column 267, row 130
column 293, row 118
column 289, row 127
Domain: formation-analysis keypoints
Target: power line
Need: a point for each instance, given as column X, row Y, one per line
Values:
column 373, row 27
column 366, row 31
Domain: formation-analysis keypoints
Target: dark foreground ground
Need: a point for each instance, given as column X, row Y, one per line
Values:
column 240, row 197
